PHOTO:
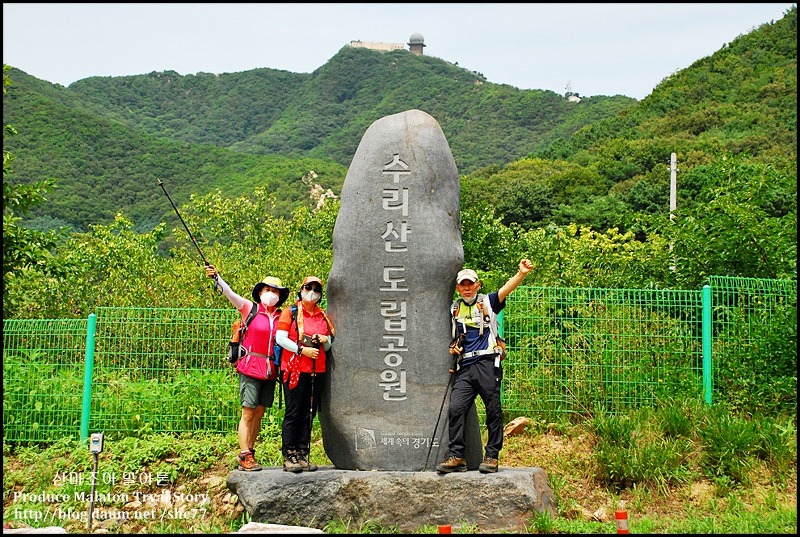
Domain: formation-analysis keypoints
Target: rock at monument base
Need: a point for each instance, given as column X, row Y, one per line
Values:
column 516, row 426
column 396, row 252
column 504, row 501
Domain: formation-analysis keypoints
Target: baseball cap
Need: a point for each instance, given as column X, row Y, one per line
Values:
column 467, row 274
column 312, row 279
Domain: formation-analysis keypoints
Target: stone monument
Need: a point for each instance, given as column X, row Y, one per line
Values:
column 396, row 252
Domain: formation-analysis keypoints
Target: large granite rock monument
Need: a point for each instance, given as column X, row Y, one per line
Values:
column 396, row 252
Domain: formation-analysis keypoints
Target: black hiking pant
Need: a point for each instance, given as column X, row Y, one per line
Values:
column 299, row 416
column 478, row 379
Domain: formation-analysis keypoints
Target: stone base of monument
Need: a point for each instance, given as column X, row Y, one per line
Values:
column 508, row 500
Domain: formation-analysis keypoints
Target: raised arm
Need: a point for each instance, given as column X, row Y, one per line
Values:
column 525, row 266
column 237, row 301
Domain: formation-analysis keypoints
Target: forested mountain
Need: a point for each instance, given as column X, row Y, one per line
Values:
column 533, row 155
column 324, row 114
column 108, row 140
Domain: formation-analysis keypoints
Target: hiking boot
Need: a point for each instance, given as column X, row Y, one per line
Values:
column 452, row 464
column 291, row 463
column 302, row 458
column 247, row 463
column 488, row 466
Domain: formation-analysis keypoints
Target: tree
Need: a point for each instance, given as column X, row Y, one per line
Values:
column 744, row 224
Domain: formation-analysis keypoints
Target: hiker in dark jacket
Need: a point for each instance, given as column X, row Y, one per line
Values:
column 479, row 371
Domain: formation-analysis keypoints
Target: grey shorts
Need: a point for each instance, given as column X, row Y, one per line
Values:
column 255, row 392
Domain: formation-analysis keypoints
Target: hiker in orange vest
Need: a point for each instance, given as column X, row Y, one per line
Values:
column 306, row 333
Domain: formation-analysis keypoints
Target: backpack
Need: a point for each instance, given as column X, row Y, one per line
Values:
column 488, row 318
column 238, row 330
column 278, row 348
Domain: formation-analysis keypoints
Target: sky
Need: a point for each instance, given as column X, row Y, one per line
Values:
column 589, row 49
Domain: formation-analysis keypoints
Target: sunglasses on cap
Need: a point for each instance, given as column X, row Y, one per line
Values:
column 313, row 287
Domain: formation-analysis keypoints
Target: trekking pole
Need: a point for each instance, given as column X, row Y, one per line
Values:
column 161, row 184
column 280, row 391
column 311, row 409
column 436, row 427
column 194, row 241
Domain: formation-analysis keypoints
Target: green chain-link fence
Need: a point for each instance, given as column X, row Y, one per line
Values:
column 131, row 371
column 43, row 371
column 575, row 350
column 755, row 342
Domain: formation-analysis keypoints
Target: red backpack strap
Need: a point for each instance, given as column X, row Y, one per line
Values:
column 300, row 322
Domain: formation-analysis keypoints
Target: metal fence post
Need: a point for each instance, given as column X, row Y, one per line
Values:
column 88, row 368
column 708, row 384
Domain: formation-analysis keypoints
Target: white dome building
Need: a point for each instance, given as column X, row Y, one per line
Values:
column 415, row 43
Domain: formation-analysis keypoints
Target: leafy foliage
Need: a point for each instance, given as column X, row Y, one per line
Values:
column 743, row 223
column 113, row 265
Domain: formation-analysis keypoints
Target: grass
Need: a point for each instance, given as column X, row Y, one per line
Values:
column 682, row 469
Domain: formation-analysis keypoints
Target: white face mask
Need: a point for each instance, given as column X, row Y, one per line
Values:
column 310, row 296
column 269, row 298
column 470, row 301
